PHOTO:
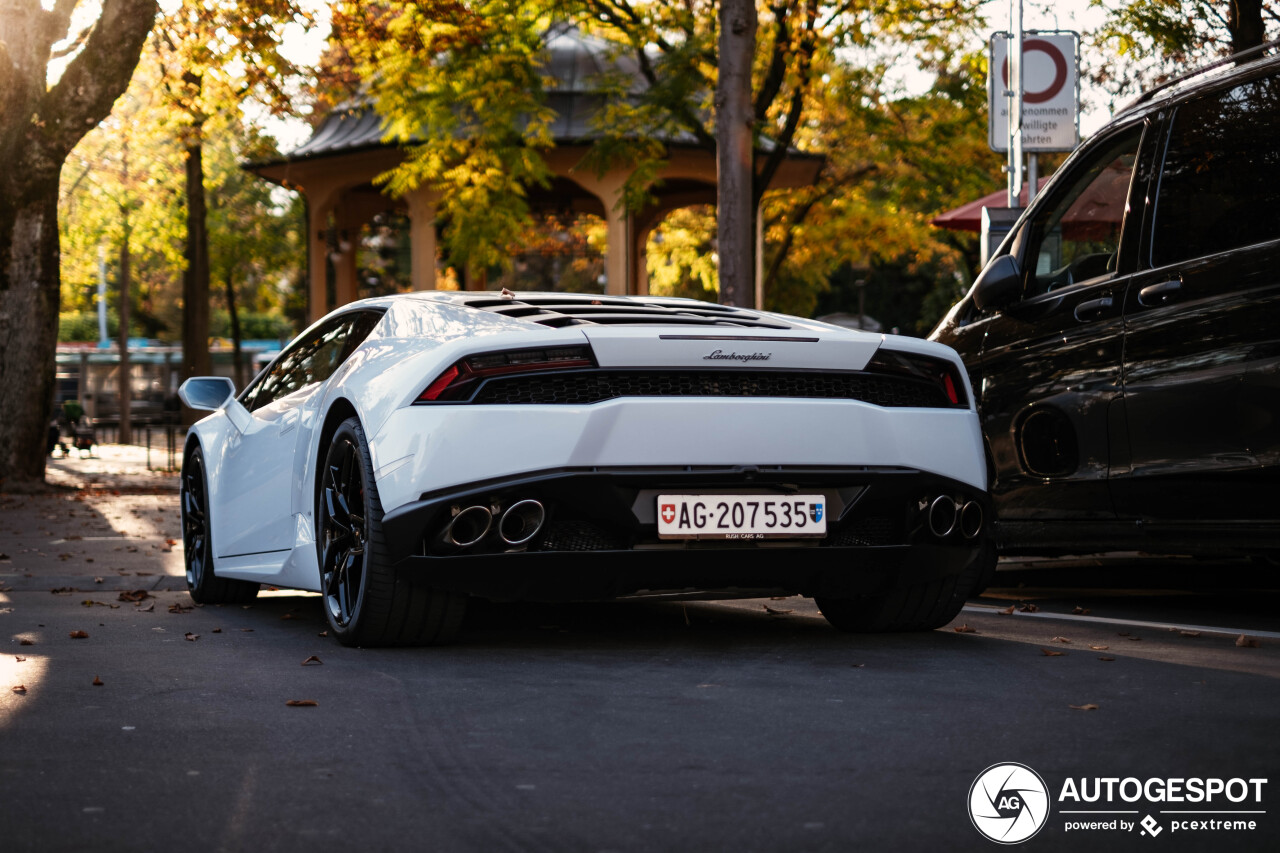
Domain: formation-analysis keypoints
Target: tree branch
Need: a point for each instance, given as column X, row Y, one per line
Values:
column 96, row 77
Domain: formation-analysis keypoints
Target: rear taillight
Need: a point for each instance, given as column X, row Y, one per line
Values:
column 940, row 373
column 460, row 380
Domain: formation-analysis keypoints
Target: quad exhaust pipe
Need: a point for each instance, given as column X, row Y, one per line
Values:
column 521, row 522
column 468, row 526
column 516, row 526
column 946, row 515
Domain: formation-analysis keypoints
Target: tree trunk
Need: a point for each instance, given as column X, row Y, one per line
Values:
column 735, row 214
column 39, row 125
column 237, row 358
column 126, row 377
column 1244, row 21
column 195, row 280
column 28, row 334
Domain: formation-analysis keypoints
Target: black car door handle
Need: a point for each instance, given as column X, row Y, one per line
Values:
column 1158, row 294
column 1092, row 308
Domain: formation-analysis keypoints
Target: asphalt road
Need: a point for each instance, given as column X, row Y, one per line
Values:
column 739, row 726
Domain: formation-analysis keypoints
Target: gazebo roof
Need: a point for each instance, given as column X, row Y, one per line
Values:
column 574, row 65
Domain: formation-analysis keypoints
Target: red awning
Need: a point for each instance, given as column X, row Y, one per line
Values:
column 968, row 217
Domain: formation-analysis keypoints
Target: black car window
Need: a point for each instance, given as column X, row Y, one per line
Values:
column 1220, row 183
column 307, row 360
column 1076, row 234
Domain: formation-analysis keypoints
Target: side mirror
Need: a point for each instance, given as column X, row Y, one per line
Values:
column 207, row 393
column 999, row 284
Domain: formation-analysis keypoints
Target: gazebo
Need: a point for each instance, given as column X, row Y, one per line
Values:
column 336, row 167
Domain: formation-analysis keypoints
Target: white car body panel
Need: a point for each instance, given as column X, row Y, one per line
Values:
column 262, row 466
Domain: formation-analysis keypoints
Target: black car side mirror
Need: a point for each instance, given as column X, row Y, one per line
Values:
column 999, row 284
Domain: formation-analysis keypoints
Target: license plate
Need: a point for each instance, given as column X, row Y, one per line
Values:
column 741, row 516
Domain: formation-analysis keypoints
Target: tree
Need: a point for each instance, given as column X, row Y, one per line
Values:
column 1148, row 41
column 216, row 54
column 40, row 123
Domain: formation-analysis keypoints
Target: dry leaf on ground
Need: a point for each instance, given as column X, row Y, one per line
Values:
column 302, row 703
column 25, row 642
column 774, row 611
column 190, row 637
column 97, row 682
column 1099, row 648
column 1051, row 653
column 1008, row 611
column 1028, row 608
column 1089, row 707
column 1244, row 641
column 1081, row 611
column 312, row 660
column 1061, row 640
column 179, row 608
column 20, row 689
column 965, row 629
column 79, row 635
column 134, row 595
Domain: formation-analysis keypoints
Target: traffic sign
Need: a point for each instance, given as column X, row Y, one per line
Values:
column 1051, row 92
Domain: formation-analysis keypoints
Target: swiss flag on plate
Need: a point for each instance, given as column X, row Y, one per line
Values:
column 668, row 513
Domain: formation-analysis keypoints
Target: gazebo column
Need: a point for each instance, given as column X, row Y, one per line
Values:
column 347, row 226
column 319, row 208
column 422, row 237
column 619, row 257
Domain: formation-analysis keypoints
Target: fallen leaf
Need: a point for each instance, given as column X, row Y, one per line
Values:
column 171, row 542
column 323, row 634
column 312, row 660
column 772, row 611
column 1028, row 608
column 63, row 590
column 177, row 607
column 190, row 637
column 79, row 635
column 1135, row 639
column 97, row 682
column 134, row 595
column 19, row 658
column 965, row 629
column 857, row 665
column 25, row 642
column 302, row 703
column 1244, row 641
column 1081, row 611
column 1051, row 653
column 1008, row 611
column 1061, row 640
column 20, row 689
column 96, row 580
column 1089, row 707
column 89, row 602
column 1099, row 648
column 216, row 631
column 1189, row 633
column 1104, row 657
column 148, row 609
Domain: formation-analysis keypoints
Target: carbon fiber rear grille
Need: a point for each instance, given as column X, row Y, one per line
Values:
column 594, row 386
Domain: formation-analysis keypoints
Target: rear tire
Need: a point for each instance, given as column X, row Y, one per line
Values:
column 367, row 600
column 915, row 607
column 202, row 582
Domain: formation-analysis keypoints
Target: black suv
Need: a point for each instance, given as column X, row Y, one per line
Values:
column 1124, row 342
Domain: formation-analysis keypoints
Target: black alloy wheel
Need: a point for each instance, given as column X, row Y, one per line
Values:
column 343, row 531
column 202, row 581
column 368, row 601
